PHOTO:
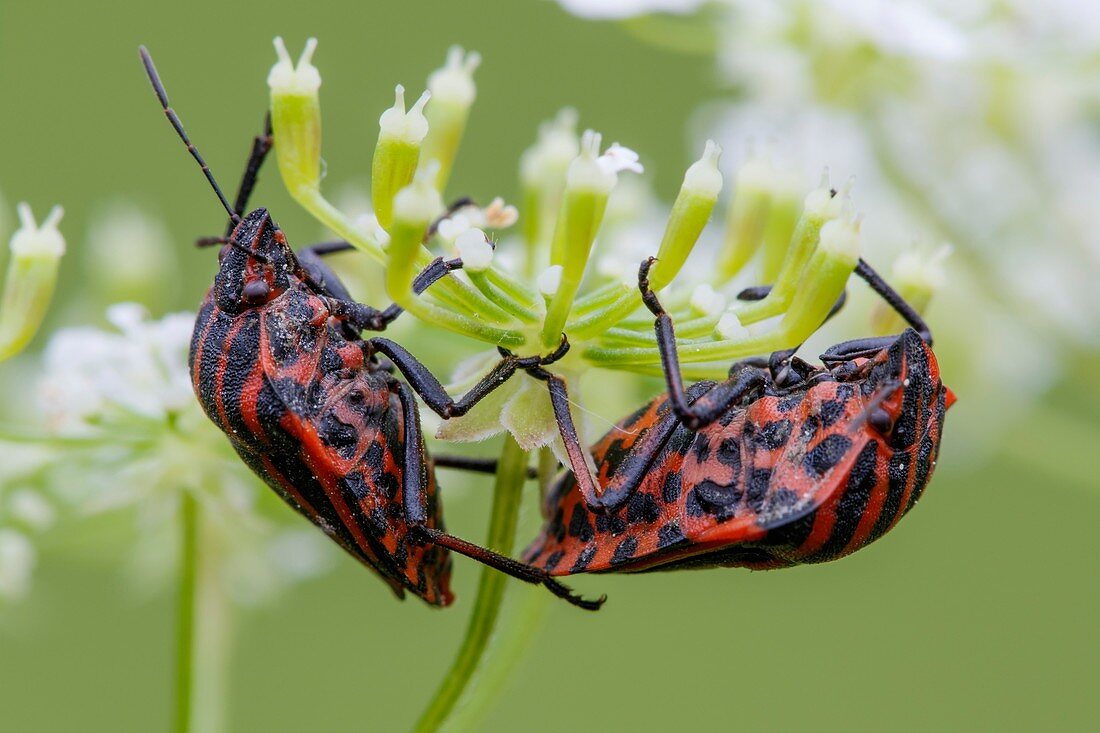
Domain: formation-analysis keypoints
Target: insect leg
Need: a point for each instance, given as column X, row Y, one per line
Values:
column 474, row 465
column 710, row 406
column 428, row 387
column 416, row 515
column 869, row 346
column 261, row 146
column 361, row 316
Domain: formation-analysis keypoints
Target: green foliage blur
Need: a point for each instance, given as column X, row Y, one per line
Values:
column 977, row 613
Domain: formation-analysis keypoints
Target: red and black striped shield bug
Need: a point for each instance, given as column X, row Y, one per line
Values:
column 781, row 464
column 278, row 364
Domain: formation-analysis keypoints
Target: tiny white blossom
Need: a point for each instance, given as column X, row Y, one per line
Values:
column 729, row 327
column 475, row 250
column 707, row 301
column 550, row 280
column 617, row 159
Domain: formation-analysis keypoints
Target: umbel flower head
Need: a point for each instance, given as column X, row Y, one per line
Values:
column 528, row 292
column 117, row 405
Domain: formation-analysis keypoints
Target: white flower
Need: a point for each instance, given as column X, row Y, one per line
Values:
column 617, row 159
column 607, row 9
column 707, row 301
column 94, row 376
column 409, row 126
column 550, row 280
column 475, row 250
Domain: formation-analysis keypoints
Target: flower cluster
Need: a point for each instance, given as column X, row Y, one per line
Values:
column 968, row 121
column 525, row 291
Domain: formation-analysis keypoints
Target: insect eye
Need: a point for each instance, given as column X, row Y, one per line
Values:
column 255, row 291
column 881, row 421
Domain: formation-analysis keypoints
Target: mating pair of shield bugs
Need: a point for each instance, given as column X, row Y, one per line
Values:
column 782, row 463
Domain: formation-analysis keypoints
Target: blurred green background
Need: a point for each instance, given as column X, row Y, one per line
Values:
column 977, row 613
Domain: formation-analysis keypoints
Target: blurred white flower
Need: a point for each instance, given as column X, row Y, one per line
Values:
column 605, row 9
column 17, row 558
column 128, row 254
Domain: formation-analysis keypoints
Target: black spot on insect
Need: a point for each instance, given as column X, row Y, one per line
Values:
column 642, row 508
column 625, row 551
column 830, row 412
column 557, row 525
column 670, row 535
column 338, row 435
column 584, row 559
column 579, row 526
column 671, row 487
column 553, row 559
column 773, row 435
column 787, row 404
column 693, row 506
column 712, row 495
column 375, row 455
column 826, row 454
column 378, row 521
column 780, row 501
column 729, row 454
column 610, row 523
column 330, row 360
column 759, row 480
column 357, row 485
column 701, row 449
column 809, row 428
column 845, row 392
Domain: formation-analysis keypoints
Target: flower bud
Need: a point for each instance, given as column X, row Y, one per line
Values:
column 296, row 118
column 916, row 276
column 32, row 274
column 542, row 173
column 588, row 183
column 746, row 217
column 397, row 152
column 823, row 279
column 690, row 213
column 475, row 250
column 453, row 91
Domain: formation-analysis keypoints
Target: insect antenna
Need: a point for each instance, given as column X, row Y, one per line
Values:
column 162, row 95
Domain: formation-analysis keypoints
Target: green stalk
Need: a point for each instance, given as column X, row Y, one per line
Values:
column 507, row 493
column 185, row 612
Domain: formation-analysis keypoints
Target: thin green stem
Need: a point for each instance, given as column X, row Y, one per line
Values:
column 507, row 493
column 185, row 611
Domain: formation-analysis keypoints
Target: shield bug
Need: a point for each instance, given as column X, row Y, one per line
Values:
column 278, row 363
column 781, row 464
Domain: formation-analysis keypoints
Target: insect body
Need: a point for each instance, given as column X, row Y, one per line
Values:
column 779, row 465
column 278, row 364
column 783, row 476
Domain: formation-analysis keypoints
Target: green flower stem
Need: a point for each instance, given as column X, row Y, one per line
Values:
column 405, row 239
column 452, row 291
column 185, row 612
column 601, row 297
column 490, row 290
column 514, row 288
column 689, row 329
column 803, row 243
column 826, row 276
column 778, row 233
column 507, row 495
column 505, row 654
column 581, row 215
column 597, row 322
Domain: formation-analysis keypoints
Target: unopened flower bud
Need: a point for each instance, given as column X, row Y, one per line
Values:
column 453, row 90
column 690, row 213
column 296, row 118
column 397, row 152
column 32, row 274
column 916, row 276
